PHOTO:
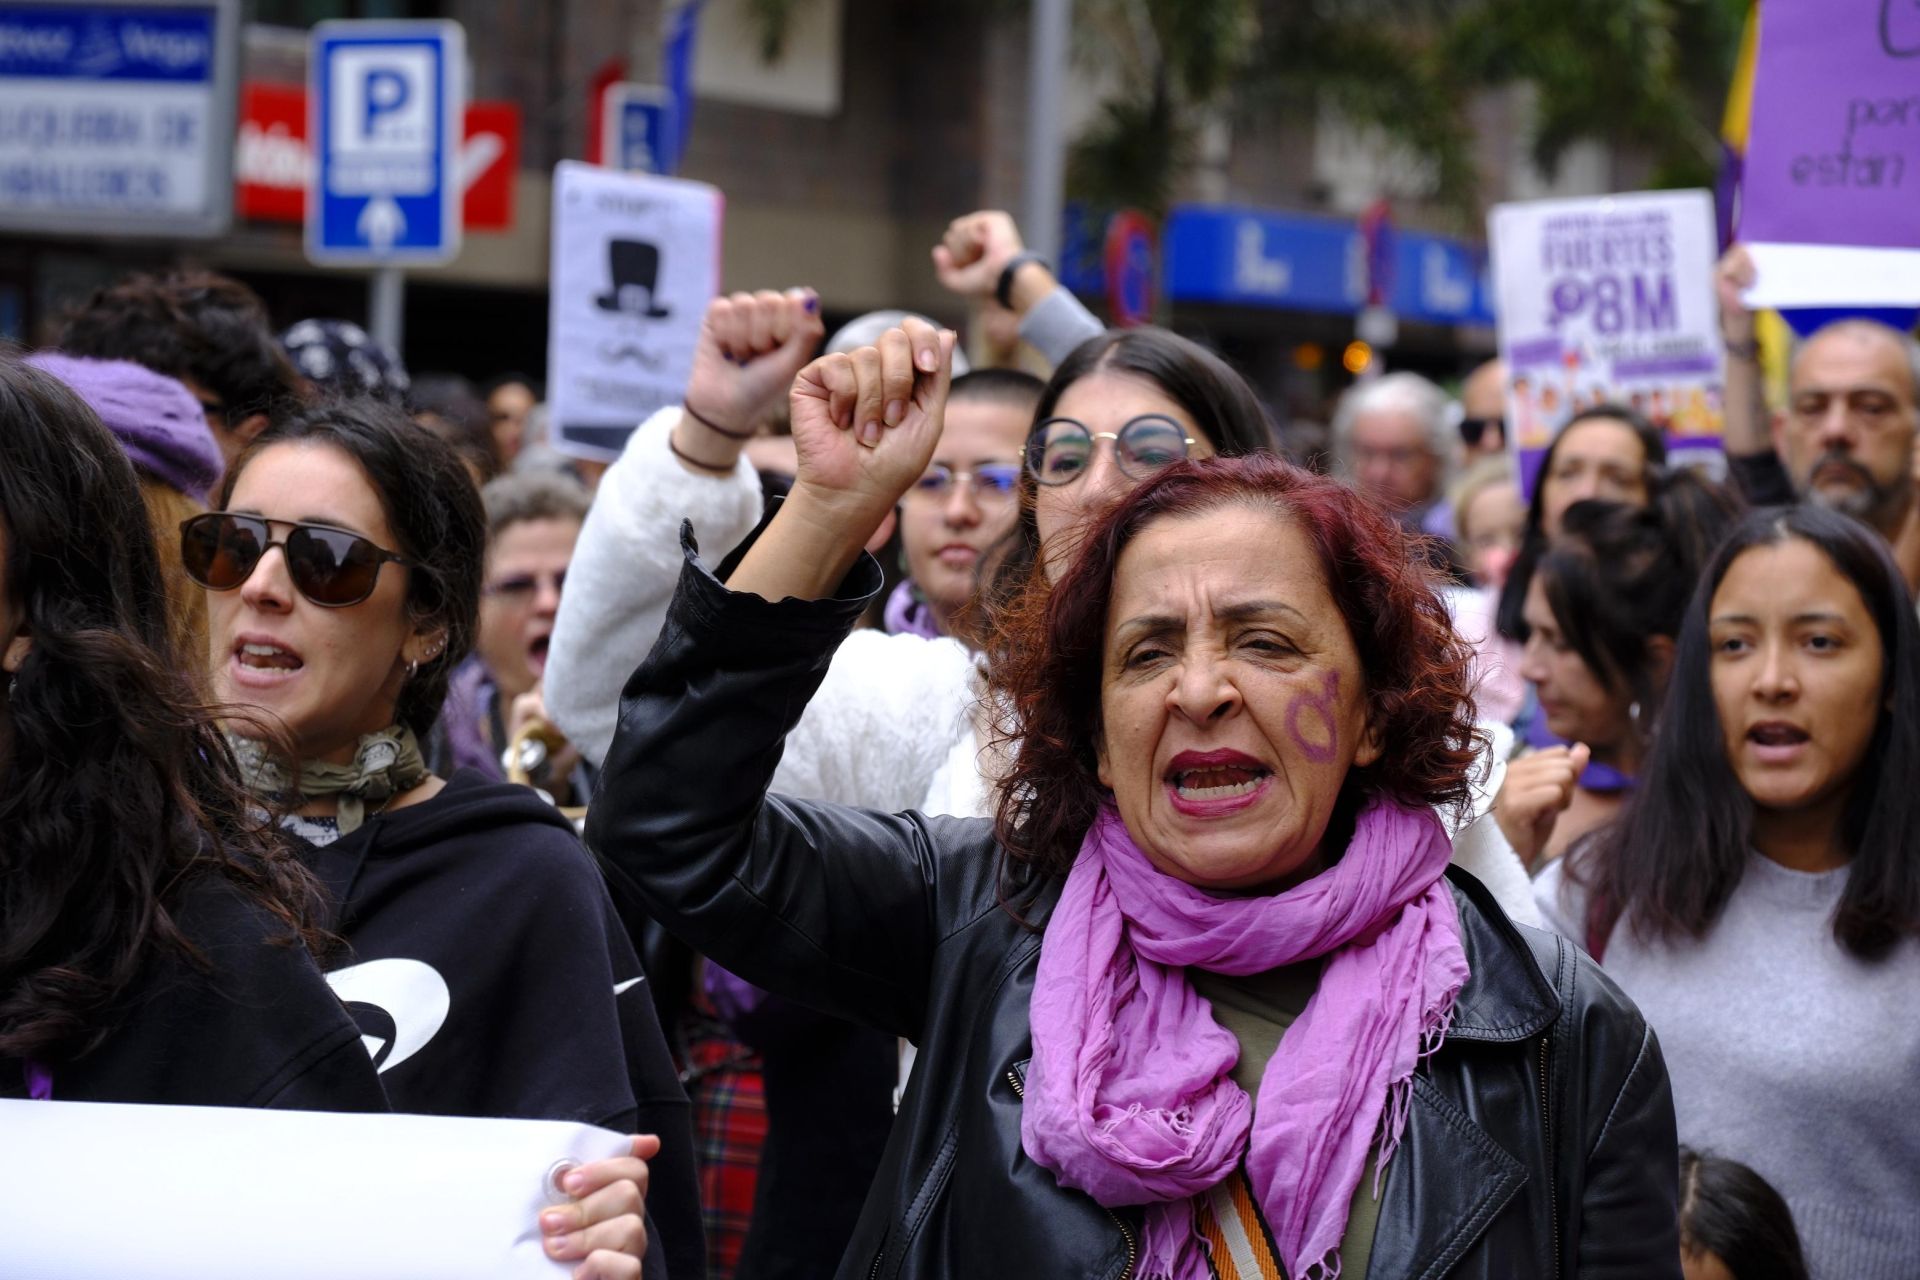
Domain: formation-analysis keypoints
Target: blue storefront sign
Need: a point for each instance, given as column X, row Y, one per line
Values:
column 1222, row 255
column 117, row 118
column 1440, row 280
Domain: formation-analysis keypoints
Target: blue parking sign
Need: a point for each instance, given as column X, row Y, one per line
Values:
column 387, row 101
column 639, row 132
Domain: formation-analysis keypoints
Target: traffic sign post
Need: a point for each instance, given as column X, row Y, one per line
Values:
column 116, row 117
column 638, row 131
column 386, row 103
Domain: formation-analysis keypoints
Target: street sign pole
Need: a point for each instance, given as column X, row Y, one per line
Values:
column 386, row 307
column 1043, row 180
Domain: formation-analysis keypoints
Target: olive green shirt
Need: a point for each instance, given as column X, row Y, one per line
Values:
column 1258, row 1010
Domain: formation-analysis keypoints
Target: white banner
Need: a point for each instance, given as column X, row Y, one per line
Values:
column 636, row 259
column 89, row 1190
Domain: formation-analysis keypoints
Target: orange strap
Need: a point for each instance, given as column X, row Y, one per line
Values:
column 1239, row 1244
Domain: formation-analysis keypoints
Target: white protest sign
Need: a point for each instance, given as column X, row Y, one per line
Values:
column 1609, row 301
column 636, row 259
column 216, row 1193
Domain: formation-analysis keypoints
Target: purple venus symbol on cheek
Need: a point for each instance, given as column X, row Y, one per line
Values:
column 1321, row 705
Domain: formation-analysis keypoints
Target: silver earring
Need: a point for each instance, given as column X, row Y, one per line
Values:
column 413, row 669
column 1633, row 712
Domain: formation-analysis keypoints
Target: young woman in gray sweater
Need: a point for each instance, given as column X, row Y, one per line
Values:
column 1759, row 897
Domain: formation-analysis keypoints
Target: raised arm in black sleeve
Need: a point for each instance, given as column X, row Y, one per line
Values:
column 839, row 908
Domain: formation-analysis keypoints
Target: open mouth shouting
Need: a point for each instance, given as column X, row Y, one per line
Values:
column 261, row 661
column 1777, row 742
column 537, row 654
column 1212, row 783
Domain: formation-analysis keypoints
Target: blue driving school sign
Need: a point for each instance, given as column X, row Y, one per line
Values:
column 386, row 102
column 117, row 118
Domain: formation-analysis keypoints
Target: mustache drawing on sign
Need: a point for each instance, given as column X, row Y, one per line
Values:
column 618, row 352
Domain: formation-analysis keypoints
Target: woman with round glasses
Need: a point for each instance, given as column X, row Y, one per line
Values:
column 964, row 505
column 488, row 971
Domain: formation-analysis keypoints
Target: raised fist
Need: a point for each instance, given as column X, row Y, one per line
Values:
column 1732, row 277
column 750, row 347
column 975, row 250
column 1538, row 788
column 865, row 422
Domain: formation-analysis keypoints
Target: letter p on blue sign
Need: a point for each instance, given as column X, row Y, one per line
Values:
column 386, row 91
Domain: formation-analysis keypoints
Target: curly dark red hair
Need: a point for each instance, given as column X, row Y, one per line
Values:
column 1048, row 660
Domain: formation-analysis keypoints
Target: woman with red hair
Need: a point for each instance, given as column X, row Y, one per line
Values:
column 1203, row 999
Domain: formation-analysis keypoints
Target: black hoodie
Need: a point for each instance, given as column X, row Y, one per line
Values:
column 491, row 977
column 252, row 1024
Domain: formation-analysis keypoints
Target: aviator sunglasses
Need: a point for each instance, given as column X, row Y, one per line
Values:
column 1060, row 450
column 331, row 567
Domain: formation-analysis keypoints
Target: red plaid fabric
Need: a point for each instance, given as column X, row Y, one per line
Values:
column 723, row 1081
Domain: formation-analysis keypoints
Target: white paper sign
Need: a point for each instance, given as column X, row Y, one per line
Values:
column 89, row 1190
column 636, row 259
column 1822, row 275
column 1609, row 301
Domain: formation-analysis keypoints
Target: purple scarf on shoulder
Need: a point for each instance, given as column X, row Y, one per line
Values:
column 907, row 614
column 1129, row 1097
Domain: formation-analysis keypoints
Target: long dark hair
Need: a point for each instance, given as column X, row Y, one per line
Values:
column 1218, row 399
column 1670, row 862
column 117, row 791
column 1619, row 575
column 1731, row 1212
column 1510, row 616
column 435, row 514
column 1415, row 665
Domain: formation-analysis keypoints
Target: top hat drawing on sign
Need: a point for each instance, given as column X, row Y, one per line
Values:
column 635, row 268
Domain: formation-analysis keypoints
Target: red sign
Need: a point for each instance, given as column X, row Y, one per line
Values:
column 271, row 160
column 489, row 158
column 1129, row 268
column 610, row 73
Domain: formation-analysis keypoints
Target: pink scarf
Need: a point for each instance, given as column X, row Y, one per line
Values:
column 1128, row 1096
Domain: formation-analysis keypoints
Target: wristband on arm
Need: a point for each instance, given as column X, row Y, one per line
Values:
column 1003, row 291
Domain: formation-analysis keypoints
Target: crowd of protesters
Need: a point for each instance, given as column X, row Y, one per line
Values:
column 965, row 822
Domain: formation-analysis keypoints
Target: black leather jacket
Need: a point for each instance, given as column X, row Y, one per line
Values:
column 1541, row 1137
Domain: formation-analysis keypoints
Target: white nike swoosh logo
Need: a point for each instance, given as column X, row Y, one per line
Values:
column 619, row 987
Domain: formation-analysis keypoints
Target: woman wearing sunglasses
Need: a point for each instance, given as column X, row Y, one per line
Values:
column 130, row 861
column 489, row 974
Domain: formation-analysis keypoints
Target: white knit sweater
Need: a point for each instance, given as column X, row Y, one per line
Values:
column 889, row 712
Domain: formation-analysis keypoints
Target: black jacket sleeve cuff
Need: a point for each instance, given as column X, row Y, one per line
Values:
column 728, row 624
